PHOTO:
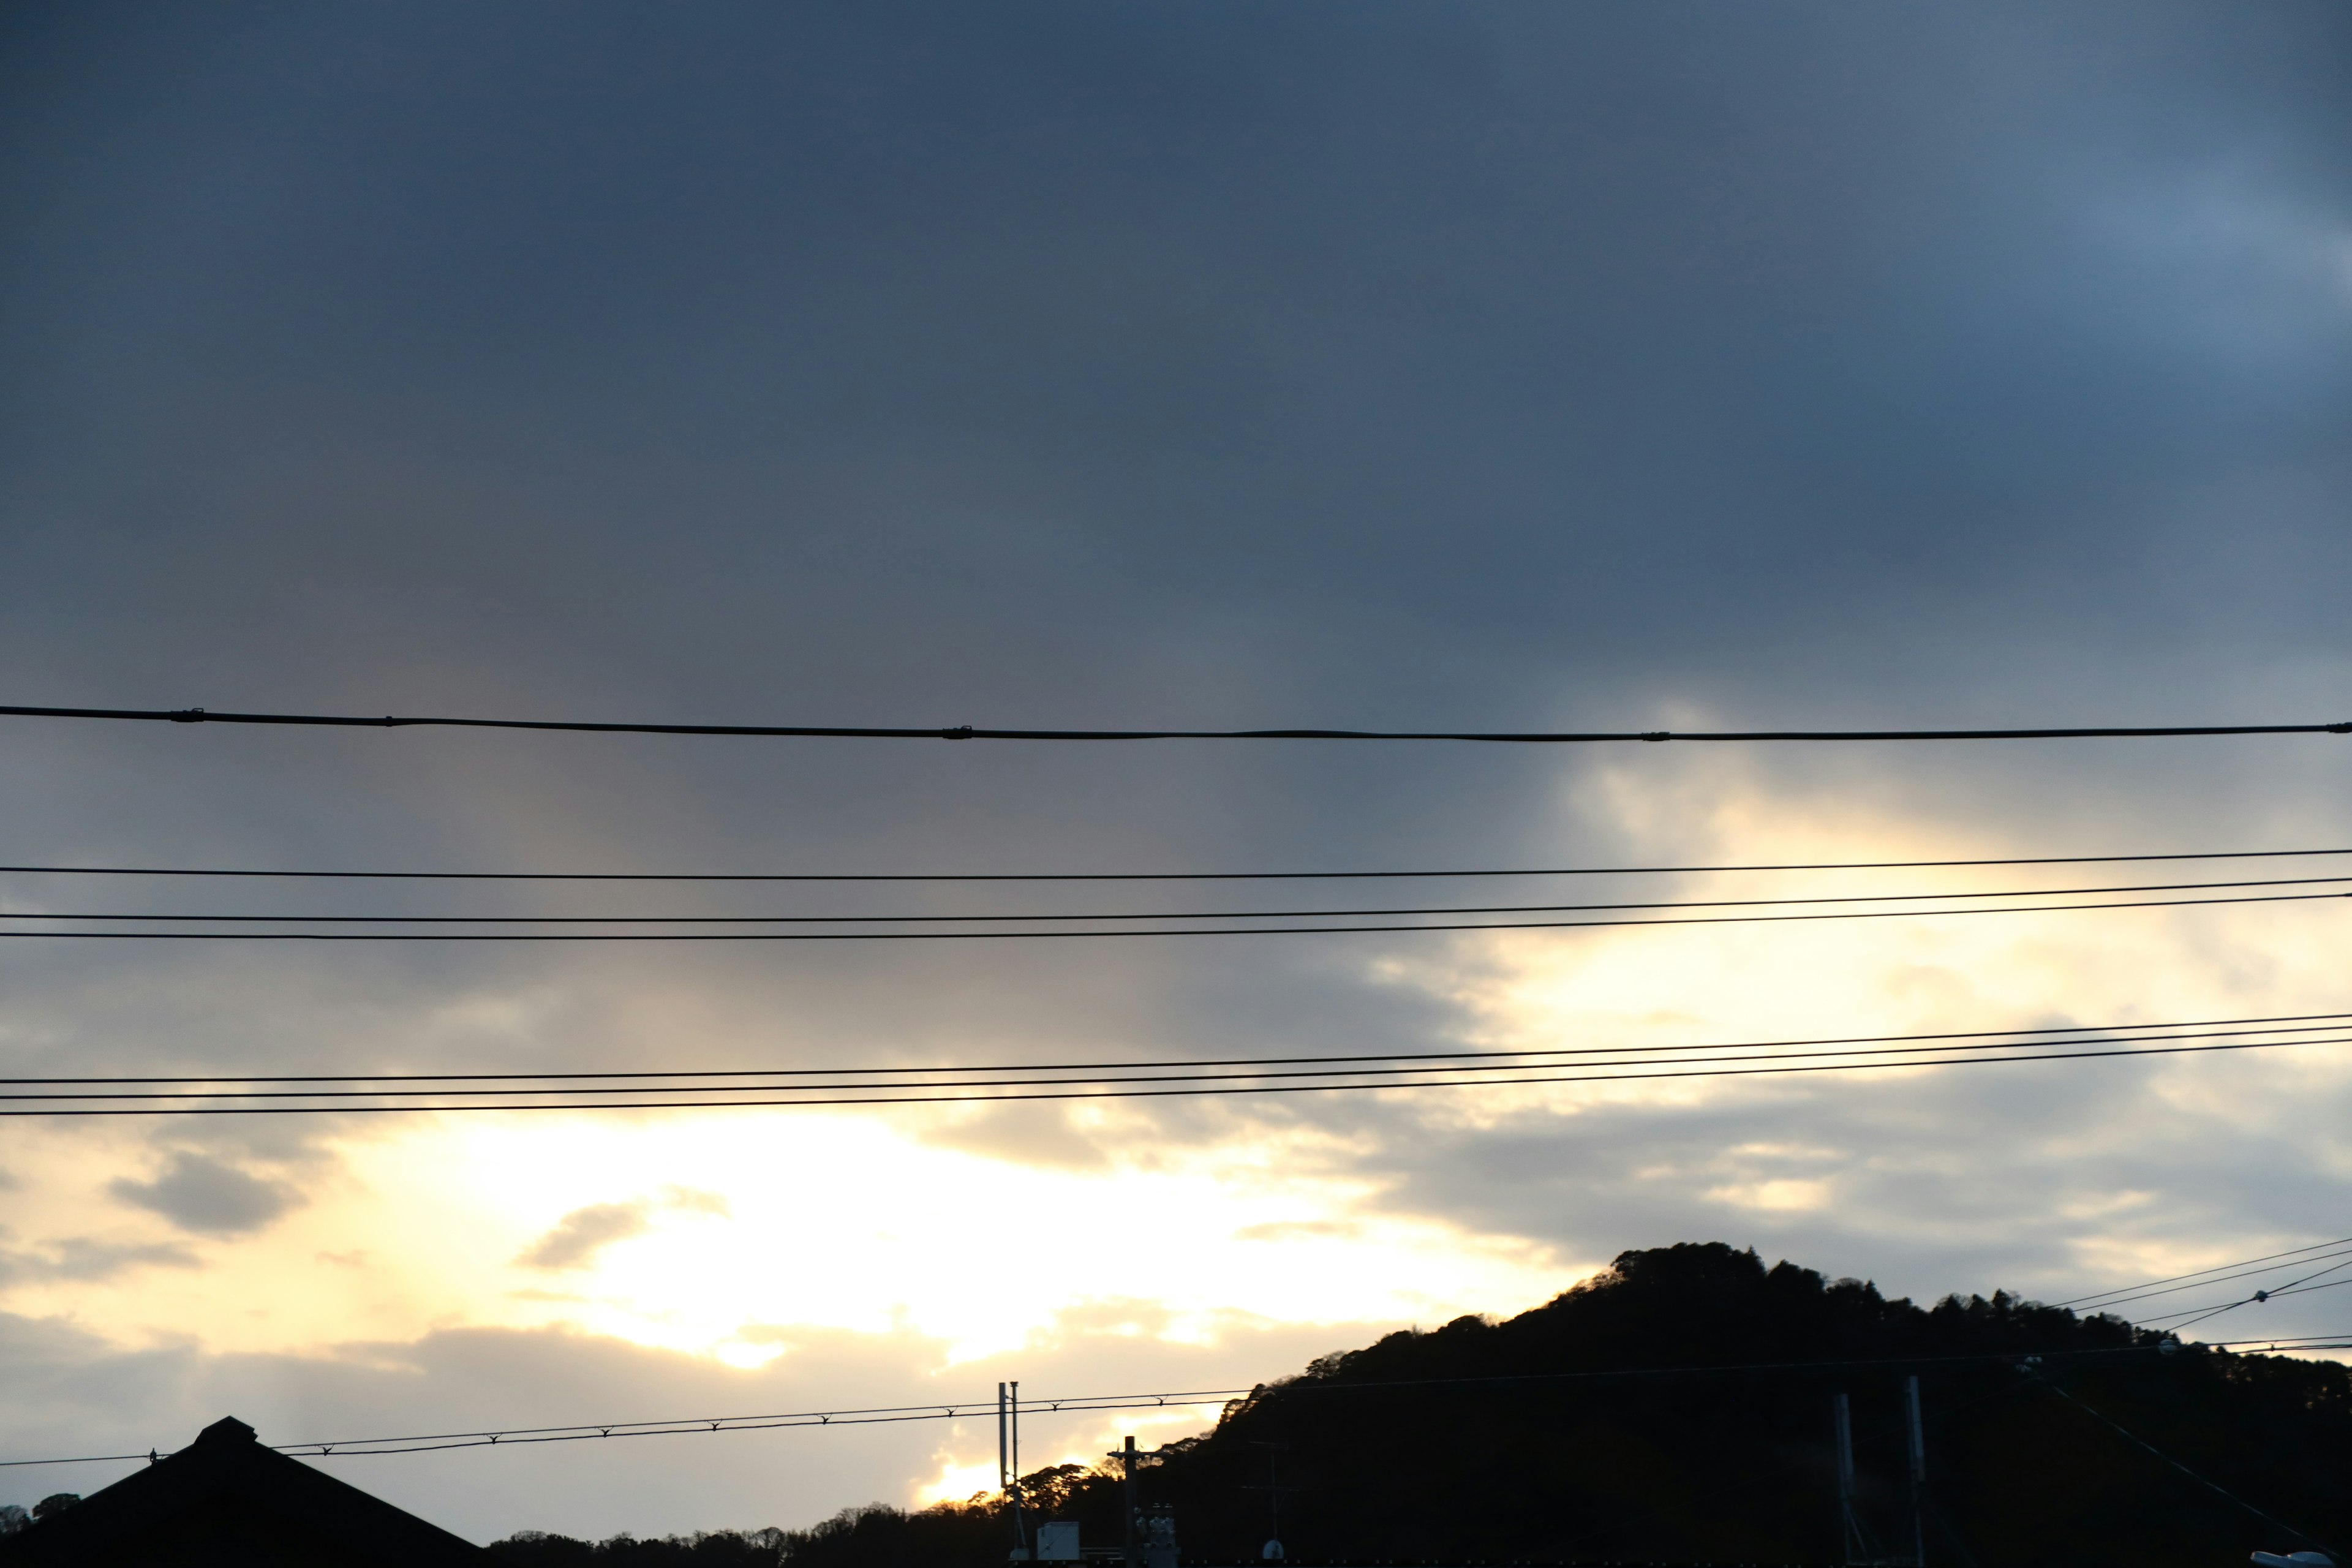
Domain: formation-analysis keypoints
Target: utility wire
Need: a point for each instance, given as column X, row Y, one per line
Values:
column 2218, row 1278
column 966, row 935
column 2233, row 1306
column 347, row 1448
column 2205, row 1029
column 2213, row 1486
column 1073, row 1076
column 1126, row 1093
column 1179, row 914
column 2193, row 1315
column 2330, row 1342
column 1135, row 876
column 344, row 1447
column 969, row 732
column 2292, row 1253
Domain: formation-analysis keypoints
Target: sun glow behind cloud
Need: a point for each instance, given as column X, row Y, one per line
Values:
column 1745, row 982
column 743, row 1228
column 725, row 1234
column 1861, row 977
column 1094, row 1243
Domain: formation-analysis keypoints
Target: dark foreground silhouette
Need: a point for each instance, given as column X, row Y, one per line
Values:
column 1468, row 1444
column 225, row 1501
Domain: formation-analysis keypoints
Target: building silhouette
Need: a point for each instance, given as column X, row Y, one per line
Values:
column 227, row 1501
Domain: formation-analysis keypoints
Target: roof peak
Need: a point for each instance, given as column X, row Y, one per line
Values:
column 228, row 1429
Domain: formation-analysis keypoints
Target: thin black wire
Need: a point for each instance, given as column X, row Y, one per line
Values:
column 2197, row 1273
column 1179, row 914
column 2207, row 1028
column 1095, row 1073
column 1130, row 932
column 2291, row 1342
column 2291, row 1287
column 2218, row 1279
column 943, row 1410
column 2132, row 1436
column 2267, row 1296
column 1069, row 1077
column 1137, row 1093
column 1078, row 1403
column 2194, row 1316
column 1135, row 876
column 969, row 732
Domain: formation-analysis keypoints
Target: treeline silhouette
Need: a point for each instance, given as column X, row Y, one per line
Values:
column 1385, row 1457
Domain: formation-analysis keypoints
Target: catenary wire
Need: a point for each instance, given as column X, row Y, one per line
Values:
column 2139, row 1441
column 346, row 1447
column 2294, row 1287
column 1808, row 901
column 1097, row 1093
column 688, row 1079
column 1174, row 1400
column 2218, row 1278
column 2192, row 1316
column 2284, row 1023
column 1395, row 1074
column 2292, row 1253
column 2287, row 1341
column 971, row 732
column 1140, row 875
column 1126, row 931
column 2191, row 1321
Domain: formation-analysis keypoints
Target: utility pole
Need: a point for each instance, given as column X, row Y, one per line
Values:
column 1134, row 1557
column 1918, row 1469
column 1857, row 1543
column 1273, row 1488
column 1020, row 1524
column 1008, row 1461
column 1861, row 1551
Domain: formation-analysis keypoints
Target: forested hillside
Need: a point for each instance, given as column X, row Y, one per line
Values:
column 1653, row 1415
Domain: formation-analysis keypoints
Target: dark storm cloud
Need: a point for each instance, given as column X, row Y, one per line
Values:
column 1203, row 363
column 1214, row 363
column 1216, row 360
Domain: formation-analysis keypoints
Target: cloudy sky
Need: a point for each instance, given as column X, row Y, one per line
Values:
column 1207, row 365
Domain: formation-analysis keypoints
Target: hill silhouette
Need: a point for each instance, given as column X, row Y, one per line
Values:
column 1653, row 1415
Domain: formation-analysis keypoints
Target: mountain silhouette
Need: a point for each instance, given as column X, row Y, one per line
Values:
column 1678, row 1409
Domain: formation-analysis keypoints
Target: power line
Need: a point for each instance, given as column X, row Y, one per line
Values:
column 2292, row 1253
column 2232, row 1306
column 2135, row 1438
column 2195, row 1315
column 2223, row 1273
column 1128, row 1093
column 2218, row 1278
column 1073, row 1074
column 1137, row 876
column 1129, row 931
column 1177, row 914
column 969, row 732
column 347, row 1448
column 2339, row 1341
column 2207, row 1028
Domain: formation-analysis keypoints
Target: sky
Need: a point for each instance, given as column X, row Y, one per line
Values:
column 1202, row 365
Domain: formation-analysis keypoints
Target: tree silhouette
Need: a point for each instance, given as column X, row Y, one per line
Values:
column 1604, row 1426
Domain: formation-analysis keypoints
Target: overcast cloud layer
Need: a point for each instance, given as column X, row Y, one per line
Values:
column 1201, row 366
